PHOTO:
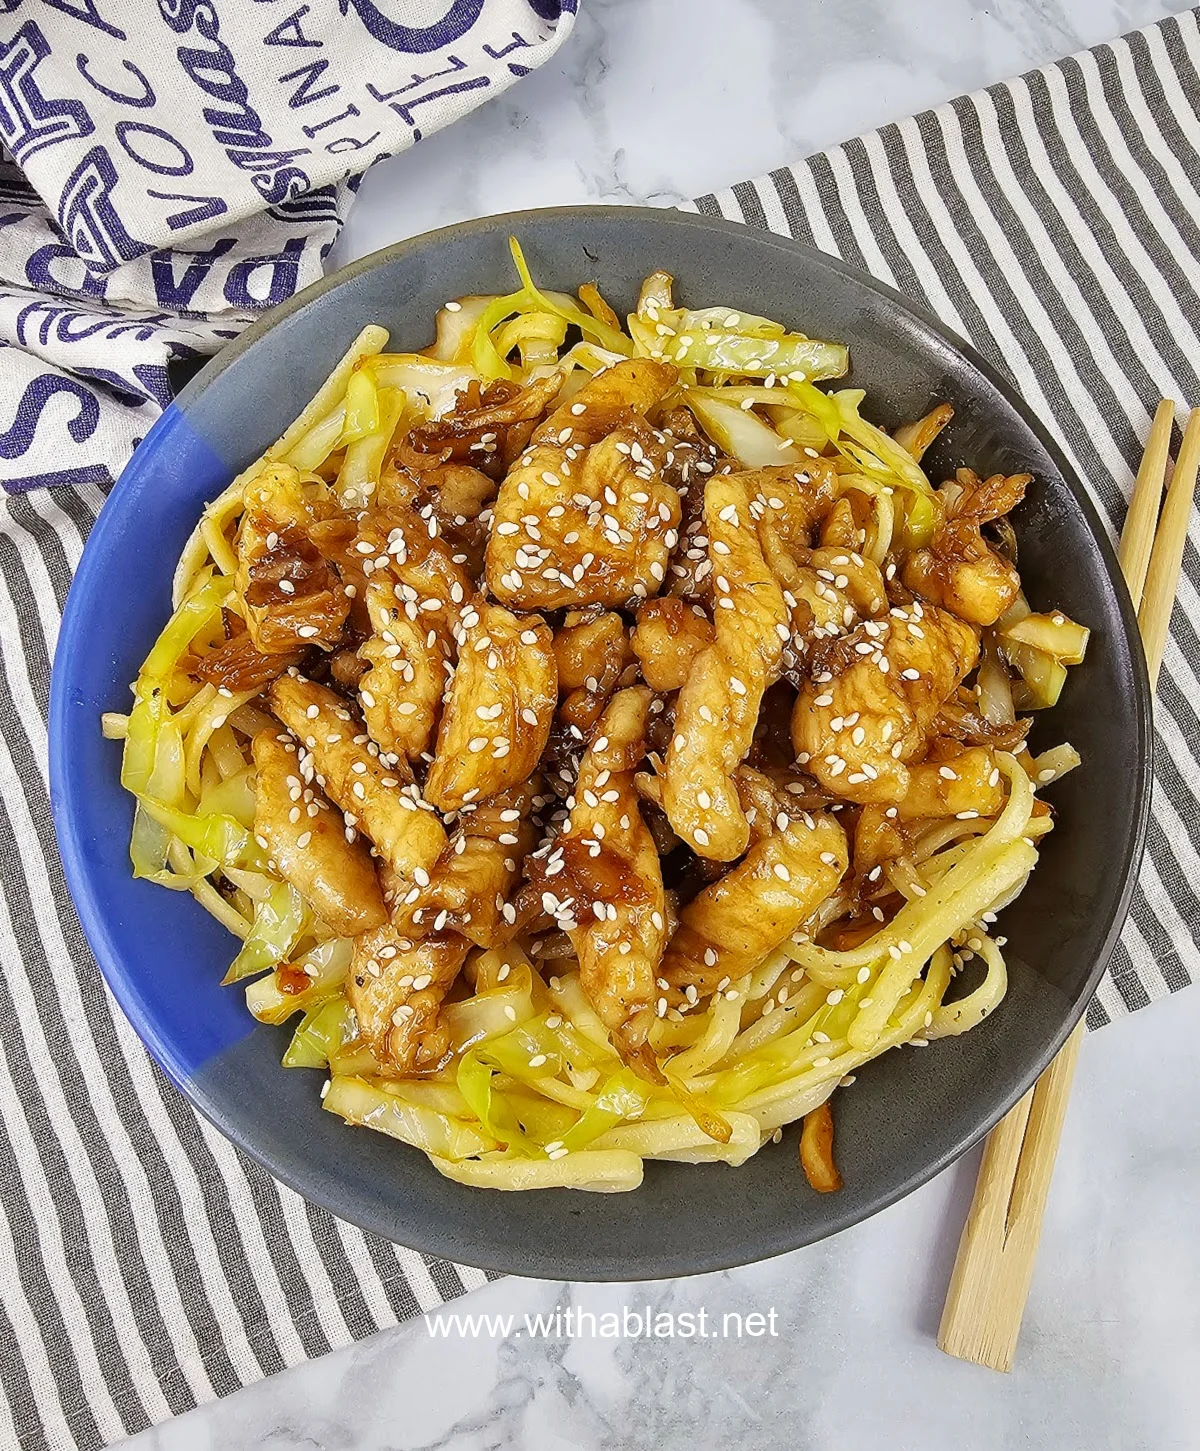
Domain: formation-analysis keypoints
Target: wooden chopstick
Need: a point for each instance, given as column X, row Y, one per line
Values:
column 994, row 1266
column 1162, row 580
column 1137, row 537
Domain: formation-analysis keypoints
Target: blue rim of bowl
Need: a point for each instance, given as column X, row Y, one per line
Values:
column 74, row 629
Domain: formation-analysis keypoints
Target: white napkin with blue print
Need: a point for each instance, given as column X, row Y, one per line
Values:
column 169, row 168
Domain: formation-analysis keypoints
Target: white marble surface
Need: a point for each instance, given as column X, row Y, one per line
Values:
column 655, row 101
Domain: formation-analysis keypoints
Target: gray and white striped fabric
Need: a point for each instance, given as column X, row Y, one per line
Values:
column 1054, row 222
column 144, row 1266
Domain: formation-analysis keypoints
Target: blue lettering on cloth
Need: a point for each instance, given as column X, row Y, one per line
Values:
column 309, row 75
column 415, row 40
column 174, row 293
column 280, row 270
column 172, row 159
column 88, row 216
column 289, row 32
column 238, row 129
column 153, row 377
column 405, row 109
column 206, row 208
column 29, row 120
column 518, row 42
column 42, row 271
column 190, row 163
column 454, row 65
column 17, row 439
column 146, row 98
column 87, row 11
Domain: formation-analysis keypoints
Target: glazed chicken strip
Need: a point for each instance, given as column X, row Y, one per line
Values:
column 603, row 881
column 589, row 646
column 497, row 716
column 309, row 844
column 415, row 593
column 401, row 691
column 857, row 723
column 633, row 386
column 291, row 596
column 795, row 499
column 592, row 650
column 960, row 570
column 469, row 888
column 966, row 784
column 585, row 523
column 733, row 924
column 670, row 635
column 396, row 986
column 381, row 801
column 717, row 708
column 825, row 596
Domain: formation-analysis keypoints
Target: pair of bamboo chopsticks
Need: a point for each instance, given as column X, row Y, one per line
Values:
column 992, row 1272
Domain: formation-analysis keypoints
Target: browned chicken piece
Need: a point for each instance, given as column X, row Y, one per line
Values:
column 346, row 669
column 398, row 489
column 309, row 844
column 794, row 499
column 431, row 583
column 670, row 635
column 603, row 881
column 380, row 801
column 499, row 709
column 967, row 784
column 817, row 609
column 960, row 571
column 396, row 986
column 692, row 456
column 690, row 576
column 291, row 596
column 415, row 594
column 459, row 491
column 717, row 708
column 763, row 801
column 334, row 539
column 840, row 528
column 237, row 664
column 592, row 651
column 587, row 645
column 859, row 720
column 401, row 691
column 859, row 581
column 487, row 427
column 589, row 519
column 469, row 887
column 453, row 494
column 576, row 525
column 733, row 924
column 634, row 386
column 878, row 839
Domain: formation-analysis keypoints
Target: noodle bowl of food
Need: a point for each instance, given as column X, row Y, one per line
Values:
column 620, row 705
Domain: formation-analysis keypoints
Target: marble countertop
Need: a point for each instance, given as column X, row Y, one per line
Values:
column 657, row 101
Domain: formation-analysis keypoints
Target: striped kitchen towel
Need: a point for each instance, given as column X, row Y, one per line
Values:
column 144, row 1265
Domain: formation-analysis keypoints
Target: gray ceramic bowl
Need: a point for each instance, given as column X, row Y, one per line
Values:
column 908, row 1115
